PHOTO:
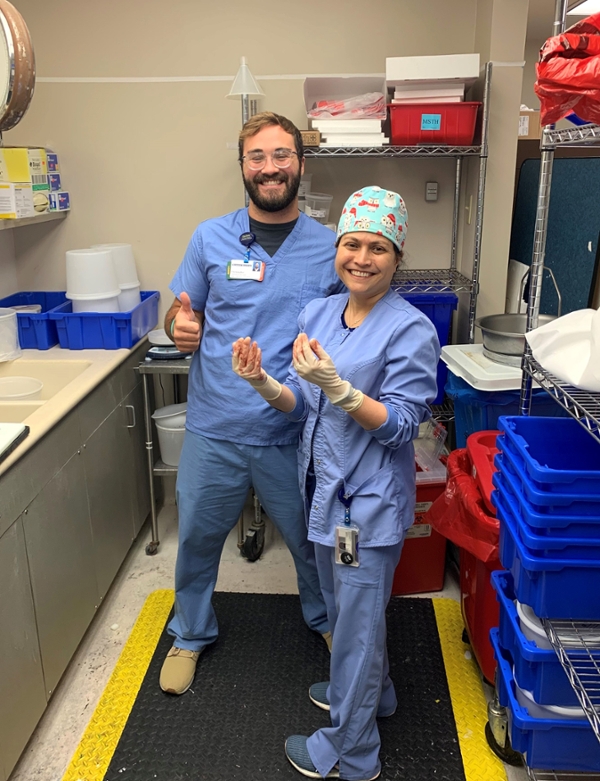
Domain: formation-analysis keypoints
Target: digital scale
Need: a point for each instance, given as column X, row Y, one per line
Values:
column 171, row 353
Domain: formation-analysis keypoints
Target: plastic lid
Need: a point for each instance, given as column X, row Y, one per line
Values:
column 435, row 475
column 169, row 411
column 468, row 362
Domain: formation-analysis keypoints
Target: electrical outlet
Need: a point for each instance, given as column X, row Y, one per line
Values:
column 431, row 191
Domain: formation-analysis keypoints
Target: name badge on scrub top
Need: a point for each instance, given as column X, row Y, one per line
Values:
column 241, row 269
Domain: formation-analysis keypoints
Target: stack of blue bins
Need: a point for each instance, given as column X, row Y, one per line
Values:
column 547, row 495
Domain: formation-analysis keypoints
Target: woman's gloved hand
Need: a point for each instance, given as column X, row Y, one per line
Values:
column 246, row 362
column 314, row 365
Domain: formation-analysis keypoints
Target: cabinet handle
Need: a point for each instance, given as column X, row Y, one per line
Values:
column 131, row 416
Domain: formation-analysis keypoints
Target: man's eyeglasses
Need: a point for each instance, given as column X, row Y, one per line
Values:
column 282, row 158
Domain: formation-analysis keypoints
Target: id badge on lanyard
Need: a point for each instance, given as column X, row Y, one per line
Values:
column 246, row 268
column 346, row 536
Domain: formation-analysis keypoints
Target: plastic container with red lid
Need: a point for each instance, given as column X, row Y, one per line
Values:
column 433, row 123
column 481, row 447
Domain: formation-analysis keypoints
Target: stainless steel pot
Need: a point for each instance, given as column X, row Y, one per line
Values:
column 506, row 333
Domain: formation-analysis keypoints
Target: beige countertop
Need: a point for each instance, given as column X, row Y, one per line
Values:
column 44, row 417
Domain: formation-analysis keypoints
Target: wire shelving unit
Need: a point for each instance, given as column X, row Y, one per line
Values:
column 437, row 280
column 577, row 644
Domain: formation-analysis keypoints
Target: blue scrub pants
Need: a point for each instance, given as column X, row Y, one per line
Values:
column 360, row 687
column 213, row 480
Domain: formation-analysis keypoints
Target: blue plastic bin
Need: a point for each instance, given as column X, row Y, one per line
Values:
column 547, row 744
column 438, row 307
column 476, row 410
column 536, row 670
column 544, row 545
column 551, row 503
column 107, row 330
column 36, row 330
column 587, row 526
column 555, row 588
column 558, row 454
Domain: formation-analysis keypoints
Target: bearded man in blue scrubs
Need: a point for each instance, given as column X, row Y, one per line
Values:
column 252, row 271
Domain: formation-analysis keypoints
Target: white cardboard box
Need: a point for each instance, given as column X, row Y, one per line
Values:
column 16, row 201
column 339, row 88
column 440, row 68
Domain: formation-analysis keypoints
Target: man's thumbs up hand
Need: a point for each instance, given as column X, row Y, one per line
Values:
column 186, row 331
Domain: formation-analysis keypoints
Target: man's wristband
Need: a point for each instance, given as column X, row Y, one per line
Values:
column 172, row 327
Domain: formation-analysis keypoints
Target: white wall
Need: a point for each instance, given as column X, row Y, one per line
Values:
column 146, row 161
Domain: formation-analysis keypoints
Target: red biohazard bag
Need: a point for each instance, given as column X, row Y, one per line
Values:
column 459, row 514
column 568, row 73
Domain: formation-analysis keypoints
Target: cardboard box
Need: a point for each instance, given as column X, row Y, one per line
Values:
column 440, row 68
column 54, row 183
column 339, row 88
column 52, row 161
column 59, row 202
column 16, row 201
column 24, row 165
column 310, row 137
column 529, row 124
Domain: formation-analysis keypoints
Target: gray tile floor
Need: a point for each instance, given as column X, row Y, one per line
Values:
column 59, row 732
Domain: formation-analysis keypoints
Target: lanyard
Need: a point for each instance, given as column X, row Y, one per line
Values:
column 346, row 500
column 247, row 240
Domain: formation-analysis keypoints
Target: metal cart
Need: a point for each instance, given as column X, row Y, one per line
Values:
column 251, row 542
column 568, row 638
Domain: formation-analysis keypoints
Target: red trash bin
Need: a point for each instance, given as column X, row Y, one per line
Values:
column 461, row 516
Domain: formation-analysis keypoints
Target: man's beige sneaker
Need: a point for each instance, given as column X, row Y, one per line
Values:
column 328, row 639
column 178, row 670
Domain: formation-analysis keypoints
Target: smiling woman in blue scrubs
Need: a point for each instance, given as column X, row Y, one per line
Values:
column 362, row 378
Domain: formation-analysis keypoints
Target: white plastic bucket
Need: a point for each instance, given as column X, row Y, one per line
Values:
column 12, row 388
column 531, row 626
column 108, row 304
column 536, row 711
column 91, row 273
column 317, row 206
column 171, row 416
column 9, row 335
column 129, row 298
column 124, row 261
column 170, row 441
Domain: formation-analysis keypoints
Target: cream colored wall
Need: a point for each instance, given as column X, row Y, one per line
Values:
column 146, row 161
column 8, row 266
column 500, row 38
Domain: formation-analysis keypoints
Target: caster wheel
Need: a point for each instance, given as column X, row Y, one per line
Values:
column 505, row 753
column 465, row 637
column 253, row 544
column 152, row 548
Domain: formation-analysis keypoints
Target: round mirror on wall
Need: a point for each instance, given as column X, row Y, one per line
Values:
column 17, row 66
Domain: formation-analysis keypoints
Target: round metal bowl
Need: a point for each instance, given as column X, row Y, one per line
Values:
column 506, row 333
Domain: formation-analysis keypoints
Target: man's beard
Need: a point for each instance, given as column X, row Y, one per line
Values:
column 275, row 203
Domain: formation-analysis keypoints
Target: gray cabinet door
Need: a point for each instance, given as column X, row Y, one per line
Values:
column 134, row 406
column 109, row 475
column 22, row 697
column 58, row 536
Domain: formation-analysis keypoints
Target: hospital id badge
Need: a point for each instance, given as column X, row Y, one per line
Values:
column 242, row 269
column 346, row 545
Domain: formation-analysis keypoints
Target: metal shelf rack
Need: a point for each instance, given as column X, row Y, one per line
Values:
column 577, row 644
column 437, row 280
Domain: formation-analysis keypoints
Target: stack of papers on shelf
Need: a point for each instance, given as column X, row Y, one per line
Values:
column 429, row 92
column 350, row 132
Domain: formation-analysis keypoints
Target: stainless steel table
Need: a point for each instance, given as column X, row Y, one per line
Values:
column 251, row 542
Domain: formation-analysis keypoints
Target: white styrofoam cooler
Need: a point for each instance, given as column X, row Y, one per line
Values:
column 442, row 68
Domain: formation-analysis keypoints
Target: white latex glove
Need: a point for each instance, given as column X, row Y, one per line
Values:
column 314, row 365
column 246, row 362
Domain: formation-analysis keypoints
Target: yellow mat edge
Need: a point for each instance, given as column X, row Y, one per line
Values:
column 99, row 741
column 97, row 746
column 466, row 694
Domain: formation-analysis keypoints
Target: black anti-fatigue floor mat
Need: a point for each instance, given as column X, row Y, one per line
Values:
column 251, row 692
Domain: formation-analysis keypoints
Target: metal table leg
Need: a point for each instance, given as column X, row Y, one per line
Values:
column 152, row 546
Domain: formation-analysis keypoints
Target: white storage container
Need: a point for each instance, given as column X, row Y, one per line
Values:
column 170, row 442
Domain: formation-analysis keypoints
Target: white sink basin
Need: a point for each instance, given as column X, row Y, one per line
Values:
column 54, row 374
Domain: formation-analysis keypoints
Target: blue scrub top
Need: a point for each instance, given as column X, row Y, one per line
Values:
column 221, row 405
column 392, row 357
